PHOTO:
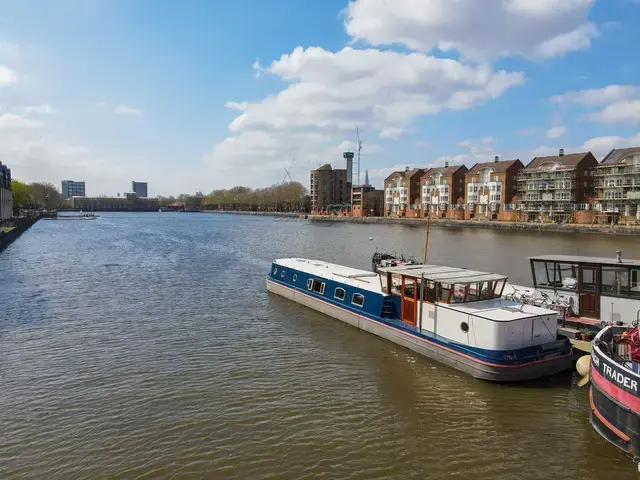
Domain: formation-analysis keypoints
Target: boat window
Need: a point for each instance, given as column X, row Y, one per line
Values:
column 429, row 292
column 459, row 292
column 634, row 287
column 339, row 293
column 309, row 284
column 589, row 280
column 566, row 276
column 295, row 277
column 543, row 273
column 487, row 290
column 615, row 280
column 444, row 289
column 318, row 287
column 275, row 270
column 282, row 274
column 464, row 326
column 357, row 299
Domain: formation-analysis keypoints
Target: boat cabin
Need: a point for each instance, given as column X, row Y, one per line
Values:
column 600, row 288
column 465, row 306
column 435, row 283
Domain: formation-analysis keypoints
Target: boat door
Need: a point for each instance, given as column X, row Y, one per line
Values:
column 589, row 291
column 409, row 295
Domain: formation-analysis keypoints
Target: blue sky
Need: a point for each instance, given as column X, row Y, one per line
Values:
column 201, row 95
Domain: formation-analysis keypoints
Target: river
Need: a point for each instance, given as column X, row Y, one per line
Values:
column 146, row 346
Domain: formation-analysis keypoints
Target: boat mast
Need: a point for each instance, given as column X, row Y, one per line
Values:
column 426, row 239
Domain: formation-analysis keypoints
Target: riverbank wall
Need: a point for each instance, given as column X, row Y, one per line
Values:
column 446, row 223
column 11, row 232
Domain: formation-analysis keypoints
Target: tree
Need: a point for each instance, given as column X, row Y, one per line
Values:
column 21, row 195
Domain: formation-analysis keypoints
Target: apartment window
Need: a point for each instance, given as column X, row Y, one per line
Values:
column 357, row 299
column 499, row 187
column 339, row 293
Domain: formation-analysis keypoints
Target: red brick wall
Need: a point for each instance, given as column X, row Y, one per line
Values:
column 584, row 216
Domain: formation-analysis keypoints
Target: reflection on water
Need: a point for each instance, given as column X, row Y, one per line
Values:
column 145, row 345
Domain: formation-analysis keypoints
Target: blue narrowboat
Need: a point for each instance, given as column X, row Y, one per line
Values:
column 452, row 315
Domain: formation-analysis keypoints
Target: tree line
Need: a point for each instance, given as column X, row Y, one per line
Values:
column 35, row 196
column 284, row 197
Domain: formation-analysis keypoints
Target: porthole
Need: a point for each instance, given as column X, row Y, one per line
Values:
column 295, row 277
column 464, row 326
column 282, row 274
column 275, row 270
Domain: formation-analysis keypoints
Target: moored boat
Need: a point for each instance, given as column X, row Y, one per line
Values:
column 455, row 316
column 614, row 395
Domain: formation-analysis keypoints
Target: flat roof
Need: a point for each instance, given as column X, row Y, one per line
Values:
column 364, row 279
column 585, row 259
column 439, row 273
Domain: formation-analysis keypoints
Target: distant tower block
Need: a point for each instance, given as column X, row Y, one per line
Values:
column 348, row 165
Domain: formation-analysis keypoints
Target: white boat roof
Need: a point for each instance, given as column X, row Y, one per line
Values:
column 581, row 259
column 500, row 310
column 439, row 273
column 364, row 279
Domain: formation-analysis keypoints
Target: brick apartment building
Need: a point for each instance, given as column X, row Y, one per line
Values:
column 366, row 201
column 402, row 193
column 491, row 189
column 442, row 192
column 329, row 186
column 558, row 188
column 617, row 186
column 6, row 196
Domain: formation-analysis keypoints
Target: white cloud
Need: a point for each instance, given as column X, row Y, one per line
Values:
column 257, row 68
column 599, row 146
column 597, row 96
column 13, row 121
column 127, row 110
column 477, row 29
column 7, row 76
column 44, row 109
column 556, row 132
column 330, row 93
column 101, row 104
column 618, row 112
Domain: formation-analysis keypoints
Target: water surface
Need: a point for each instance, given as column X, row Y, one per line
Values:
column 146, row 346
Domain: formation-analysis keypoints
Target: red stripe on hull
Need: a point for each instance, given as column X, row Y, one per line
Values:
column 606, row 422
column 623, row 398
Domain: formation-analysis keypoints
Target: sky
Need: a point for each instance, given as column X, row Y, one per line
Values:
column 199, row 95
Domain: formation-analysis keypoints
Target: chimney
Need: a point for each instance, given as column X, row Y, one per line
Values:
column 406, row 169
column 561, row 153
column 619, row 256
column 446, row 164
column 496, row 159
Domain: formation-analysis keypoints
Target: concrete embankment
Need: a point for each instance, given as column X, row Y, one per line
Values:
column 485, row 224
column 15, row 228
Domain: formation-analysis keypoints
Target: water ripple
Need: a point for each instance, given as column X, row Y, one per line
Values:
column 145, row 346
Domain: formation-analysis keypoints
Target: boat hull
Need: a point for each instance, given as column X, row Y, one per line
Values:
column 615, row 403
column 474, row 367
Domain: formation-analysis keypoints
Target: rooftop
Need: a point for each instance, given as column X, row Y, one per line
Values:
column 364, row 279
column 564, row 161
column 438, row 273
column 501, row 166
column 444, row 170
column 617, row 155
column 584, row 259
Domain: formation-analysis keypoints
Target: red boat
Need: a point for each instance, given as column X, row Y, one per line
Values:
column 615, row 388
